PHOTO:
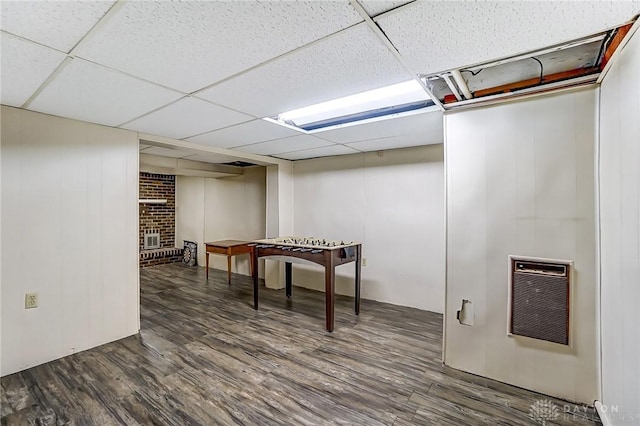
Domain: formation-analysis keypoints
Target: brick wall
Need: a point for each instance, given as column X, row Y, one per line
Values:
column 160, row 256
column 160, row 261
column 158, row 216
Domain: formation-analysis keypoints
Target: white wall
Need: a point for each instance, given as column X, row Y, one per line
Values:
column 69, row 233
column 1, row 126
column 619, row 173
column 190, row 212
column 217, row 209
column 520, row 181
column 279, row 216
column 393, row 205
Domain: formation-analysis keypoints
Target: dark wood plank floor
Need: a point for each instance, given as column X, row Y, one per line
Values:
column 204, row 356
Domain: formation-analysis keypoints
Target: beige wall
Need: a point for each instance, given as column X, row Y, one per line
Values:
column 619, row 172
column 217, row 209
column 69, row 233
column 520, row 181
column 393, row 205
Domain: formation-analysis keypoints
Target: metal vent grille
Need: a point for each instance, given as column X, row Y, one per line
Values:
column 151, row 240
column 540, row 301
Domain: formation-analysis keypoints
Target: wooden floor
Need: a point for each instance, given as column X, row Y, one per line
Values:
column 204, row 356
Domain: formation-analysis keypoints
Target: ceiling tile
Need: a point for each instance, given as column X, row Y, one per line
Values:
column 25, row 66
column 393, row 142
column 317, row 152
column 352, row 61
column 377, row 7
column 244, row 134
column 293, row 143
column 427, row 123
column 89, row 92
column 58, row 24
column 211, row 158
column 188, row 45
column 440, row 35
column 186, row 117
column 167, row 152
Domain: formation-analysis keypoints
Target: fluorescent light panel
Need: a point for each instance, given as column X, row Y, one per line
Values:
column 387, row 100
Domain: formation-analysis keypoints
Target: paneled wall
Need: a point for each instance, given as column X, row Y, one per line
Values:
column 69, row 233
column 393, row 204
column 619, row 171
column 217, row 209
column 520, row 181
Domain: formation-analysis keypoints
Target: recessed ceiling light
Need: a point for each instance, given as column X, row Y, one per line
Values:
column 395, row 99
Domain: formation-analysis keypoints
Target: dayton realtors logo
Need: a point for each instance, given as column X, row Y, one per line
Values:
column 543, row 411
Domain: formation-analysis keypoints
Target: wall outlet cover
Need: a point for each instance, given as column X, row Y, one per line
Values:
column 30, row 300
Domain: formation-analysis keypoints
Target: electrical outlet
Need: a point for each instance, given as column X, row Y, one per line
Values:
column 364, row 261
column 30, row 300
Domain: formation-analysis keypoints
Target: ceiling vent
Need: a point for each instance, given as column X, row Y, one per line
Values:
column 239, row 164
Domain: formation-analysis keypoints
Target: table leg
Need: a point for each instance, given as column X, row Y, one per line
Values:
column 207, row 264
column 329, row 289
column 229, row 269
column 358, row 275
column 287, row 269
column 250, row 264
column 254, row 261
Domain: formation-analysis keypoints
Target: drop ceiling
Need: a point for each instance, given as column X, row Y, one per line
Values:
column 207, row 73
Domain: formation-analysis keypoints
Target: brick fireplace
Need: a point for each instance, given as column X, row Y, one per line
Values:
column 158, row 216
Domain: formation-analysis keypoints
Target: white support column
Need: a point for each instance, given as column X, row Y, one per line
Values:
column 279, row 216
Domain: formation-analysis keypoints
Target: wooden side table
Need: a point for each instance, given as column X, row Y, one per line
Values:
column 228, row 248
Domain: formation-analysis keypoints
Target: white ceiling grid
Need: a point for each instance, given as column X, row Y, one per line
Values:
column 326, row 151
column 188, row 45
column 349, row 62
column 166, row 152
column 243, row 134
column 435, row 36
column 293, row 143
column 378, row 7
column 57, row 24
column 25, row 66
column 187, row 117
column 89, row 92
column 244, row 60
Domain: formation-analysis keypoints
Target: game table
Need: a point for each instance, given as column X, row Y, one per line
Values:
column 227, row 248
column 326, row 253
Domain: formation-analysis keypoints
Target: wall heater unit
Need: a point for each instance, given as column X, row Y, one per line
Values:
column 151, row 240
column 539, row 299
